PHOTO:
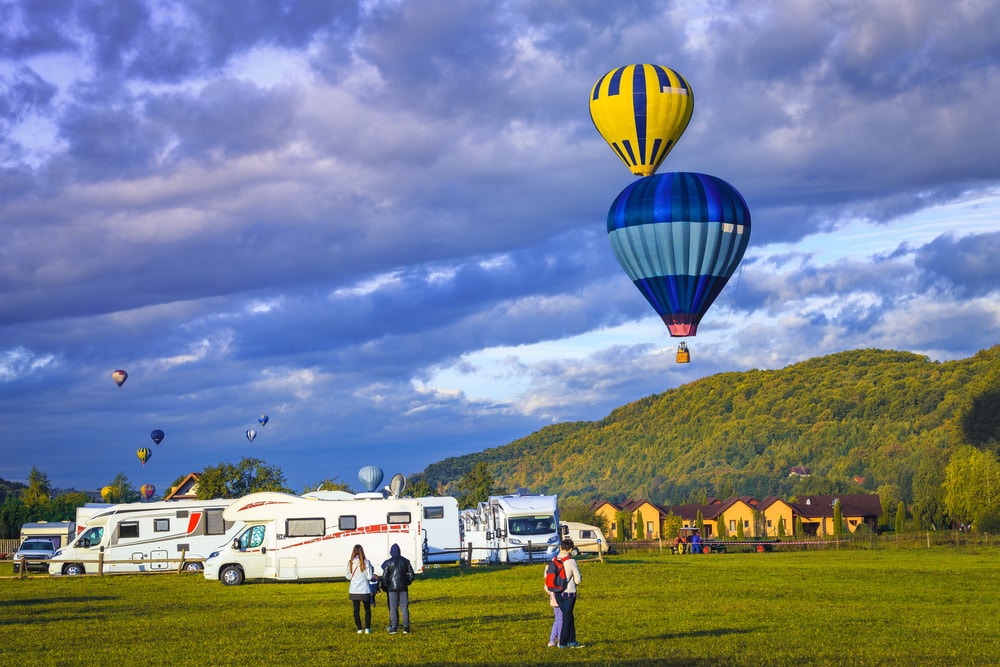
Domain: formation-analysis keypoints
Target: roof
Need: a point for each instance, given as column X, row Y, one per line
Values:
column 851, row 505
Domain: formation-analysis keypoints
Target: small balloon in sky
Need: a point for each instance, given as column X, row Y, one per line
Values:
column 119, row 376
column 263, row 419
column 147, row 491
column 251, row 434
column 144, row 454
column 157, row 435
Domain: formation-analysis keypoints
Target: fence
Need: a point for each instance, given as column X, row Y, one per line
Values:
column 8, row 547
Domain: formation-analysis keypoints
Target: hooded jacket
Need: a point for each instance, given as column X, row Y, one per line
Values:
column 397, row 572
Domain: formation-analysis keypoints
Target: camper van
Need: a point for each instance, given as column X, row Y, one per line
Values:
column 587, row 539
column 147, row 537
column 289, row 538
column 513, row 529
column 442, row 529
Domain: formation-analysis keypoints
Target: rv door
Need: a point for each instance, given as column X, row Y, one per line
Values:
column 253, row 550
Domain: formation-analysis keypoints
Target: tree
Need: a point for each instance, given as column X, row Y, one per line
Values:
column 799, row 530
column 972, row 486
column 624, row 521
column 476, row 486
column 38, row 488
column 720, row 527
column 699, row 522
column 419, row 488
column 672, row 525
column 838, row 519
column 739, row 529
column 781, row 527
column 900, row 517
column 122, row 490
column 573, row 508
column 640, row 529
column 250, row 475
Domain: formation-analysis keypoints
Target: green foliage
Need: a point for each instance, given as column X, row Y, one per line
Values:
column 873, row 415
column 972, row 486
column 720, row 528
column 417, row 487
column 781, row 527
column 900, row 517
column 739, row 530
column 476, row 486
column 574, row 508
column 838, row 519
column 250, row 475
column 799, row 531
column 672, row 525
column 38, row 488
column 640, row 528
column 621, row 521
column 122, row 490
column 328, row 485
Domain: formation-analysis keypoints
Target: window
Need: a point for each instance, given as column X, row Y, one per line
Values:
column 768, row 523
column 161, row 525
column 397, row 517
column 214, row 523
column 587, row 535
column 128, row 529
column 349, row 522
column 252, row 538
column 436, row 512
column 732, row 525
column 305, row 527
column 649, row 528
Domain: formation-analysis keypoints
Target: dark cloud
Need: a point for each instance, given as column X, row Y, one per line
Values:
column 964, row 267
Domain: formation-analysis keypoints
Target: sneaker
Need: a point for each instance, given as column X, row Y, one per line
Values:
column 574, row 645
column 406, row 631
column 552, row 643
column 360, row 631
column 368, row 631
column 392, row 631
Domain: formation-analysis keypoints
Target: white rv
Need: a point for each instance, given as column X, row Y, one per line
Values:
column 586, row 538
column 442, row 529
column 513, row 529
column 147, row 537
column 288, row 538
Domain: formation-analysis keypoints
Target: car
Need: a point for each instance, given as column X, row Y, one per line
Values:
column 35, row 554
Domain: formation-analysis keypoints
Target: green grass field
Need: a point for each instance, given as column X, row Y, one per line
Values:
column 934, row 606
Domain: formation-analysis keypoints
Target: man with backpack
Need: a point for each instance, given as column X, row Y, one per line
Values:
column 562, row 576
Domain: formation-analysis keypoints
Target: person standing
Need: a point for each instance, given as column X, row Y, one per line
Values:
column 567, row 599
column 557, row 623
column 696, row 543
column 397, row 575
column 360, row 573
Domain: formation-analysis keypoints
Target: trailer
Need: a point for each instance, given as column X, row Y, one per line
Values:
column 512, row 529
column 59, row 533
column 586, row 538
column 442, row 529
column 147, row 537
column 290, row 538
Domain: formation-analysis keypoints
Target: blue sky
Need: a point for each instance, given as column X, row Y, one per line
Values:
column 383, row 223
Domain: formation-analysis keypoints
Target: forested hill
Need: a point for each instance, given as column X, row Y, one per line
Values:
column 859, row 421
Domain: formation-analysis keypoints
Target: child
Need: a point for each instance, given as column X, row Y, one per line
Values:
column 557, row 624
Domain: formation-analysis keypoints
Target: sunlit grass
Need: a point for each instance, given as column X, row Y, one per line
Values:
column 850, row 607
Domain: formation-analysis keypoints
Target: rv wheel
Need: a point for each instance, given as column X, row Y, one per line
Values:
column 574, row 552
column 192, row 567
column 231, row 575
column 73, row 569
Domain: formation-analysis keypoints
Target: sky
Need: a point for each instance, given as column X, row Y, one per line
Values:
column 383, row 223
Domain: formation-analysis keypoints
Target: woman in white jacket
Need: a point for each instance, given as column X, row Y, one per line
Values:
column 361, row 574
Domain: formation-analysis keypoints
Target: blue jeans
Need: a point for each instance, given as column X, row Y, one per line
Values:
column 399, row 609
column 566, row 603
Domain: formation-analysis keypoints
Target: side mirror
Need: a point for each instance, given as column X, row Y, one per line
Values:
column 236, row 544
column 85, row 543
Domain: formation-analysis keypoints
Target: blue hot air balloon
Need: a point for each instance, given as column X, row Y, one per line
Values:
column 157, row 435
column 251, row 434
column 370, row 477
column 263, row 419
column 679, row 236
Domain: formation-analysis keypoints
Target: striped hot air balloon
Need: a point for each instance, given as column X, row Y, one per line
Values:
column 641, row 111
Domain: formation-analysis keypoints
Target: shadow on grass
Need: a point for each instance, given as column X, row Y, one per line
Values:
column 13, row 604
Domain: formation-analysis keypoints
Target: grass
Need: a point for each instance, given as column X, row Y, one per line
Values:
column 849, row 607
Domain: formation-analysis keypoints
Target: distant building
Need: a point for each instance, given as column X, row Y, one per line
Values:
column 186, row 490
column 799, row 471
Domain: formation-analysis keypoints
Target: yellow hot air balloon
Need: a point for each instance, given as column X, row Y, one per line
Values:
column 107, row 492
column 641, row 111
column 143, row 453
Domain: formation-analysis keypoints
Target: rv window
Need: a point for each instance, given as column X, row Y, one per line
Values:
column 436, row 512
column 305, row 527
column 128, row 529
column 348, row 523
column 214, row 525
column 397, row 517
column 182, row 514
column 252, row 538
column 587, row 535
column 161, row 525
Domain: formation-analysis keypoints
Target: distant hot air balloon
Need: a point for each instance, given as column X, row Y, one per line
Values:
column 641, row 111
column 679, row 237
column 251, row 434
column 370, row 477
column 263, row 419
column 107, row 492
column 157, row 435
column 143, row 453
column 147, row 491
column 119, row 377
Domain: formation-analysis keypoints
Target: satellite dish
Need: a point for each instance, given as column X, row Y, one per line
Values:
column 397, row 484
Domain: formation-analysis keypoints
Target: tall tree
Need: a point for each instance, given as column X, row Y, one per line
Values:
column 838, row 519
column 972, row 486
column 900, row 524
column 122, row 490
column 640, row 528
column 250, row 475
column 38, row 488
column 476, row 486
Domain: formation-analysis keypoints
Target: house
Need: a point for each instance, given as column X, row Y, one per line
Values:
column 779, row 517
column 817, row 512
column 799, row 471
column 608, row 511
column 651, row 515
column 186, row 490
column 738, row 515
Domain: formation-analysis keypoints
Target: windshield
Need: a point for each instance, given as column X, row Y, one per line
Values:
column 37, row 545
column 91, row 538
column 532, row 525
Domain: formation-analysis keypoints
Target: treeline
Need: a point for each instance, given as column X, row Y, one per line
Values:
column 859, row 421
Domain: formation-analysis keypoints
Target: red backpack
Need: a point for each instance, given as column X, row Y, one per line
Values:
column 555, row 576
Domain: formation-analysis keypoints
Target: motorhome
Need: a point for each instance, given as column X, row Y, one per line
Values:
column 147, row 537
column 288, row 538
column 512, row 529
column 586, row 538
column 442, row 529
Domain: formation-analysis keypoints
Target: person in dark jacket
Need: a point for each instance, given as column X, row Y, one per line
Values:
column 397, row 575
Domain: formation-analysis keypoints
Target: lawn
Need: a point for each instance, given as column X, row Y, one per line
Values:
column 933, row 606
